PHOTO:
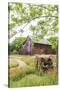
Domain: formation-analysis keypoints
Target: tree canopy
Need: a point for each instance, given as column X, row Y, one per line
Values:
column 45, row 16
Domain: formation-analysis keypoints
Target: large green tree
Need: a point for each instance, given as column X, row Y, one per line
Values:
column 46, row 16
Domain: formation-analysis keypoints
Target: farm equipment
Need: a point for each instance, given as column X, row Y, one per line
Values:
column 43, row 62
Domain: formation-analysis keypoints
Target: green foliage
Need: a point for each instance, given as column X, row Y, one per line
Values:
column 11, row 25
column 10, row 7
column 54, row 42
column 28, row 12
column 15, row 45
column 16, row 20
column 18, row 6
column 35, row 11
column 55, row 25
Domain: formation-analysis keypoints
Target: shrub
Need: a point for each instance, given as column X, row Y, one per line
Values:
column 15, row 45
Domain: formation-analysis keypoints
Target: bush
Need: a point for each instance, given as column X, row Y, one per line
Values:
column 15, row 45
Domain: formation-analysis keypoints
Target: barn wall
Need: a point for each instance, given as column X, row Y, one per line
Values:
column 42, row 49
column 38, row 49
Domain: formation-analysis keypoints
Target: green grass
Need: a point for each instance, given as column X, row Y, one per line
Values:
column 35, row 80
column 29, row 76
column 18, row 76
column 22, row 73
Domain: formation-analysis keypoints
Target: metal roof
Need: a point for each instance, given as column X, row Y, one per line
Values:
column 43, row 41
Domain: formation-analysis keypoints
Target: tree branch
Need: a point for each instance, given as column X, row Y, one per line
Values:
column 28, row 21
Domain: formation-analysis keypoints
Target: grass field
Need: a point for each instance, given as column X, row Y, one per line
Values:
column 22, row 72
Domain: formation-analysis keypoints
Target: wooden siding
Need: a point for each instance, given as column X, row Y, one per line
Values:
column 42, row 49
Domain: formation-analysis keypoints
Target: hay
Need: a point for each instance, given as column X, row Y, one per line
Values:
column 21, row 63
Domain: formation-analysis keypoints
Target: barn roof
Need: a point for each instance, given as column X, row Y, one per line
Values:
column 43, row 41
